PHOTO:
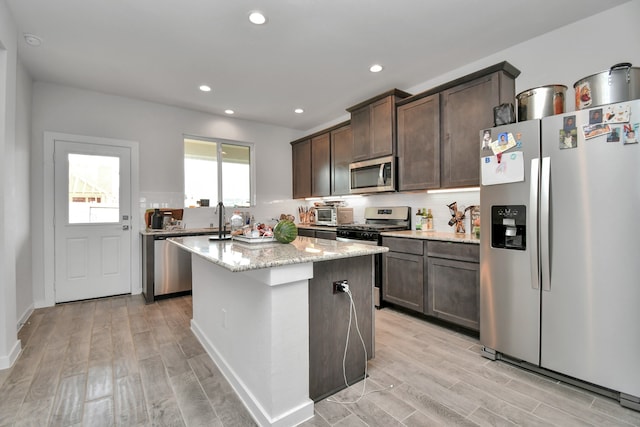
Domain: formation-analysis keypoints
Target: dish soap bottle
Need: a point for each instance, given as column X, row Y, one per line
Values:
column 429, row 220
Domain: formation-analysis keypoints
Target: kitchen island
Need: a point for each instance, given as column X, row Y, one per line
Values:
column 267, row 315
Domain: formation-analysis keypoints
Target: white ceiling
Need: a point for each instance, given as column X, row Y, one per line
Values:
column 312, row 54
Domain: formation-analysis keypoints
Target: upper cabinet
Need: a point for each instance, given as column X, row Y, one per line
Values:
column 419, row 144
column 438, row 130
column 341, row 156
column 320, row 163
column 373, row 123
column 301, row 162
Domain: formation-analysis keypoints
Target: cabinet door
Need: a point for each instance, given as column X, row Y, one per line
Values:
column 306, row 232
column 361, row 128
column 320, row 165
column 329, row 235
column 403, row 280
column 466, row 110
column 341, row 156
column 453, row 291
column 382, row 127
column 301, row 153
column 419, row 144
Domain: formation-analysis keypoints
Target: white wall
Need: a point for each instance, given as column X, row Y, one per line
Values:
column 159, row 130
column 21, row 203
column 9, row 344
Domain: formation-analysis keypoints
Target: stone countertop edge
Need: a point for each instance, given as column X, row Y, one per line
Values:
column 178, row 232
column 434, row 235
column 238, row 256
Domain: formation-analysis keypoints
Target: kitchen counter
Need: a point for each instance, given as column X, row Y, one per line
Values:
column 318, row 227
column 178, row 232
column 434, row 235
column 267, row 316
column 238, row 256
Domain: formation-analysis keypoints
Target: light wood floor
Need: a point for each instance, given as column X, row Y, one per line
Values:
column 117, row 361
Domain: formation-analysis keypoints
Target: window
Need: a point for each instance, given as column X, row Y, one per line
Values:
column 218, row 171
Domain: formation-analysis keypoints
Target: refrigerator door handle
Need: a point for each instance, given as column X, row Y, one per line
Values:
column 545, row 182
column 533, row 223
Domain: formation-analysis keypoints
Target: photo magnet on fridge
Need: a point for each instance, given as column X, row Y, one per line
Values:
column 630, row 133
column 614, row 136
column 568, row 138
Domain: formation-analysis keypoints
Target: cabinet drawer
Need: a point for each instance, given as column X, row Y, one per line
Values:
column 459, row 251
column 407, row 246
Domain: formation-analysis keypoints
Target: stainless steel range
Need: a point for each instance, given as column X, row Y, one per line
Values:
column 377, row 220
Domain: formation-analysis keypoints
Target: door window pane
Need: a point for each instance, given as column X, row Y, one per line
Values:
column 94, row 189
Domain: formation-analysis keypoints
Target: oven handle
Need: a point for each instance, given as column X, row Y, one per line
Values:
column 364, row 242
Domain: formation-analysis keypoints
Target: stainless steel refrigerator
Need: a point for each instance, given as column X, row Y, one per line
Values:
column 560, row 246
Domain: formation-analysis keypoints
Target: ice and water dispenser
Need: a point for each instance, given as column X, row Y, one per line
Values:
column 508, row 227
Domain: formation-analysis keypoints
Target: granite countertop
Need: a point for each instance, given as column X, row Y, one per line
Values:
column 178, row 232
column 434, row 235
column 239, row 256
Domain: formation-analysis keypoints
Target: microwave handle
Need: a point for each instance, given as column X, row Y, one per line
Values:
column 381, row 180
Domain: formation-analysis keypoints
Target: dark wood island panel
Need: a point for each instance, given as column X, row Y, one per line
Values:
column 329, row 321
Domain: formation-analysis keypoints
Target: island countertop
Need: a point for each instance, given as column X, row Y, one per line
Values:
column 240, row 256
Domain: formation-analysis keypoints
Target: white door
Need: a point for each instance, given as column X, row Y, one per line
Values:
column 92, row 220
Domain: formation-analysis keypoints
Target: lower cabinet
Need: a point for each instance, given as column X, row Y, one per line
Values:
column 403, row 272
column 436, row 278
column 318, row 234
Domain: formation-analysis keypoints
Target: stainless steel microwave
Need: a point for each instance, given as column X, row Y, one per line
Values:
column 373, row 176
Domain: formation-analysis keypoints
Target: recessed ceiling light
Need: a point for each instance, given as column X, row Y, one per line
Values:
column 298, row 111
column 229, row 111
column 375, row 68
column 205, row 88
column 32, row 40
column 257, row 18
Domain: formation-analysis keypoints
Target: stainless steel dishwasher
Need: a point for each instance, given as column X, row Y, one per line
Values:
column 172, row 268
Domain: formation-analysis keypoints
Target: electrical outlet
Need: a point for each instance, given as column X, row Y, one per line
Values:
column 338, row 286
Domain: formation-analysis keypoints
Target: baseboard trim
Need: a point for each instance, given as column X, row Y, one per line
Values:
column 292, row 417
column 25, row 317
column 7, row 361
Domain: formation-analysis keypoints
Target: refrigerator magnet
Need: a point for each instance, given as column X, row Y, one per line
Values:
column 486, row 139
column 616, row 113
column 592, row 131
column 568, row 138
column 505, row 141
column 614, row 136
column 569, row 123
column 630, row 133
column 595, row 116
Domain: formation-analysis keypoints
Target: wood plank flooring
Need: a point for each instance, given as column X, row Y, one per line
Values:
column 120, row 362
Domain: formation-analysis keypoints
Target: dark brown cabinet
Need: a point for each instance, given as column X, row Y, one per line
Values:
column 453, row 284
column 301, row 167
column 318, row 234
column 466, row 110
column 321, row 165
column 419, row 144
column 341, row 157
column 438, row 130
column 374, row 126
column 403, row 273
column 436, row 278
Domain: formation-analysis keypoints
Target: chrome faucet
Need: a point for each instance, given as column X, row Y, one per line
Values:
column 221, row 225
